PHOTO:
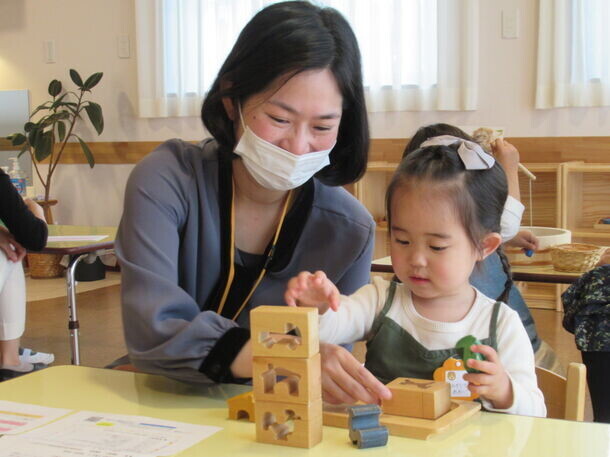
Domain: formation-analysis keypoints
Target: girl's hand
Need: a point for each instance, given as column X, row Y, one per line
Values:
column 605, row 258
column 525, row 239
column 506, row 154
column 314, row 290
column 493, row 383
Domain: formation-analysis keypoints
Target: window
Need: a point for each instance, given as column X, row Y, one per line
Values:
column 416, row 54
column 573, row 53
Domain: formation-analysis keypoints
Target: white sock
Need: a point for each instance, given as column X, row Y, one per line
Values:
column 23, row 367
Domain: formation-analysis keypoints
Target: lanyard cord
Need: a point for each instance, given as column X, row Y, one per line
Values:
column 270, row 253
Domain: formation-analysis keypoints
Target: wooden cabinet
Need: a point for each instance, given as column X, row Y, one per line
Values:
column 585, row 200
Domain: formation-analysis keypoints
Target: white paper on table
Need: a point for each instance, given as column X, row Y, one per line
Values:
column 117, row 435
column 21, row 417
column 64, row 238
column 14, row 446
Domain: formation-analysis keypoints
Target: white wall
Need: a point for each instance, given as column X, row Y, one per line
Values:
column 85, row 34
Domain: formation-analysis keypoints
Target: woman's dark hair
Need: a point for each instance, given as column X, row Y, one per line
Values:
column 478, row 196
column 285, row 39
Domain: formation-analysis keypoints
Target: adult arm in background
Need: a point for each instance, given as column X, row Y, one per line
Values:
column 24, row 219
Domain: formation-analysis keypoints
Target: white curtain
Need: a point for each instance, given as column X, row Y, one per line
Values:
column 417, row 54
column 573, row 53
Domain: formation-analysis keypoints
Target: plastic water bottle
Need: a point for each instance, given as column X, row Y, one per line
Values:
column 17, row 176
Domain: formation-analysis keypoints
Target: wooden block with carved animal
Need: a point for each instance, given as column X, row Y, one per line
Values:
column 283, row 379
column 289, row 424
column 419, row 398
column 283, row 331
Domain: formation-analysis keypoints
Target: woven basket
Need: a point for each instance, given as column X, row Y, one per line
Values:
column 575, row 257
column 45, row 265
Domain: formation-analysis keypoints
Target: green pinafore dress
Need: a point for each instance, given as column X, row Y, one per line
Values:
column 392, row 352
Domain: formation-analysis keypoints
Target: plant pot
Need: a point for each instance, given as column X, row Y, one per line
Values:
column 45, row 265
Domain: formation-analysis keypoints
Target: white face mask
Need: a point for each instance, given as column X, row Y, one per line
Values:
column 273, row 167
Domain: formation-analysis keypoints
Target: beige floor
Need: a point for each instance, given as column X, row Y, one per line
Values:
column 101, row 327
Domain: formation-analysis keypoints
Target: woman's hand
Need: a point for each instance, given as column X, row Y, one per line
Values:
column 493, row 383
column 345, row 380
column 13, row 250
column 313, row 290
column 524, row 239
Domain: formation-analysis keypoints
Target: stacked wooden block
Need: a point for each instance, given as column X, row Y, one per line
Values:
column 286, row 375
column 418, row 398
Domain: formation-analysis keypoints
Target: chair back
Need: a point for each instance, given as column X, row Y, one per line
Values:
column 564, row 397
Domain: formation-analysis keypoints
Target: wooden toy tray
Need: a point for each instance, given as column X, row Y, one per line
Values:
column 409, row 427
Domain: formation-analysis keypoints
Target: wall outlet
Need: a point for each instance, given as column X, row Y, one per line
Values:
column 50, row 52
column 510, row 23
column 123, row 47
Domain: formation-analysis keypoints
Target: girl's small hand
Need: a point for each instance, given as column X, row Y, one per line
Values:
column 506, row 154
column 493, row 383
column 314, row 290
column 13, row 250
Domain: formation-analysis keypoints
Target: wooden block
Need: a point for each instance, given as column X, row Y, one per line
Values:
column 419, row 398
column 241, row 406
column 409, row 427
column 289, row 424
column 300, row 383
column 270, row 324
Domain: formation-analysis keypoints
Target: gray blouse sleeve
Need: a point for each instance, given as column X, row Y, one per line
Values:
column 165, row 330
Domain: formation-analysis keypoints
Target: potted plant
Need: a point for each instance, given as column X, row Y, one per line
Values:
column 47, row 137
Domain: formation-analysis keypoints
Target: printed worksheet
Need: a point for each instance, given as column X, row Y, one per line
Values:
column 21, row 417
column 87, row 433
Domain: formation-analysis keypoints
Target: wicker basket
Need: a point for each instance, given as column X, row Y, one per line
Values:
column 45, row 265
column 575, row 257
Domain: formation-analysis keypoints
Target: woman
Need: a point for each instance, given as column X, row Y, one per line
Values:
column 210, row 231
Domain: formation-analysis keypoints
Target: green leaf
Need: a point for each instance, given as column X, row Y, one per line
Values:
column 76, row 79
column 92, row 80
column 45, row 105
column 59, row 101
column 28, row 126
column 17, row 139
column 61, row 130
column 23, row 150
column 87, row 152
column 95, row 115
column 43, row 146
column 54, row 88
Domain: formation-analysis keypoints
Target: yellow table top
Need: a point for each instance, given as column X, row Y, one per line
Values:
column 112, row 391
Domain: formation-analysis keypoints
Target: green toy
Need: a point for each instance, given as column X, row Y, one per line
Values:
column 464, row 344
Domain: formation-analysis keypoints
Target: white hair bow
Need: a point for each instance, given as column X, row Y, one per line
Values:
column 472, row 154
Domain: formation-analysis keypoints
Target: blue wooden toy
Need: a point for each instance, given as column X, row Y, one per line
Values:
column 529, row 252
column 364, row 428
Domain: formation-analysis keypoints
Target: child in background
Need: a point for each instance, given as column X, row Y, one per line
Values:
column 444, row 205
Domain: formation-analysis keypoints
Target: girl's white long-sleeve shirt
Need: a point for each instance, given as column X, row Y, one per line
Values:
column 354, row 320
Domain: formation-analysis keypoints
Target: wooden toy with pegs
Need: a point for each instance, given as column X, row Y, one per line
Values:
column 419, row 408
column 286, row 376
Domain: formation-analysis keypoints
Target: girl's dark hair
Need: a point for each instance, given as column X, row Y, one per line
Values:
column 285, row 39
column 478, row 196
column 430, row 131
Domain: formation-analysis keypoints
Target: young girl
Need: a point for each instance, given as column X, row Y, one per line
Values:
column 443, row 205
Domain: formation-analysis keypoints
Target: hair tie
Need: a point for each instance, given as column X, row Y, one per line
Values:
column 472, row 155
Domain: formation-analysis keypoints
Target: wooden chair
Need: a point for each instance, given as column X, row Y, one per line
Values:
column 564, row 397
